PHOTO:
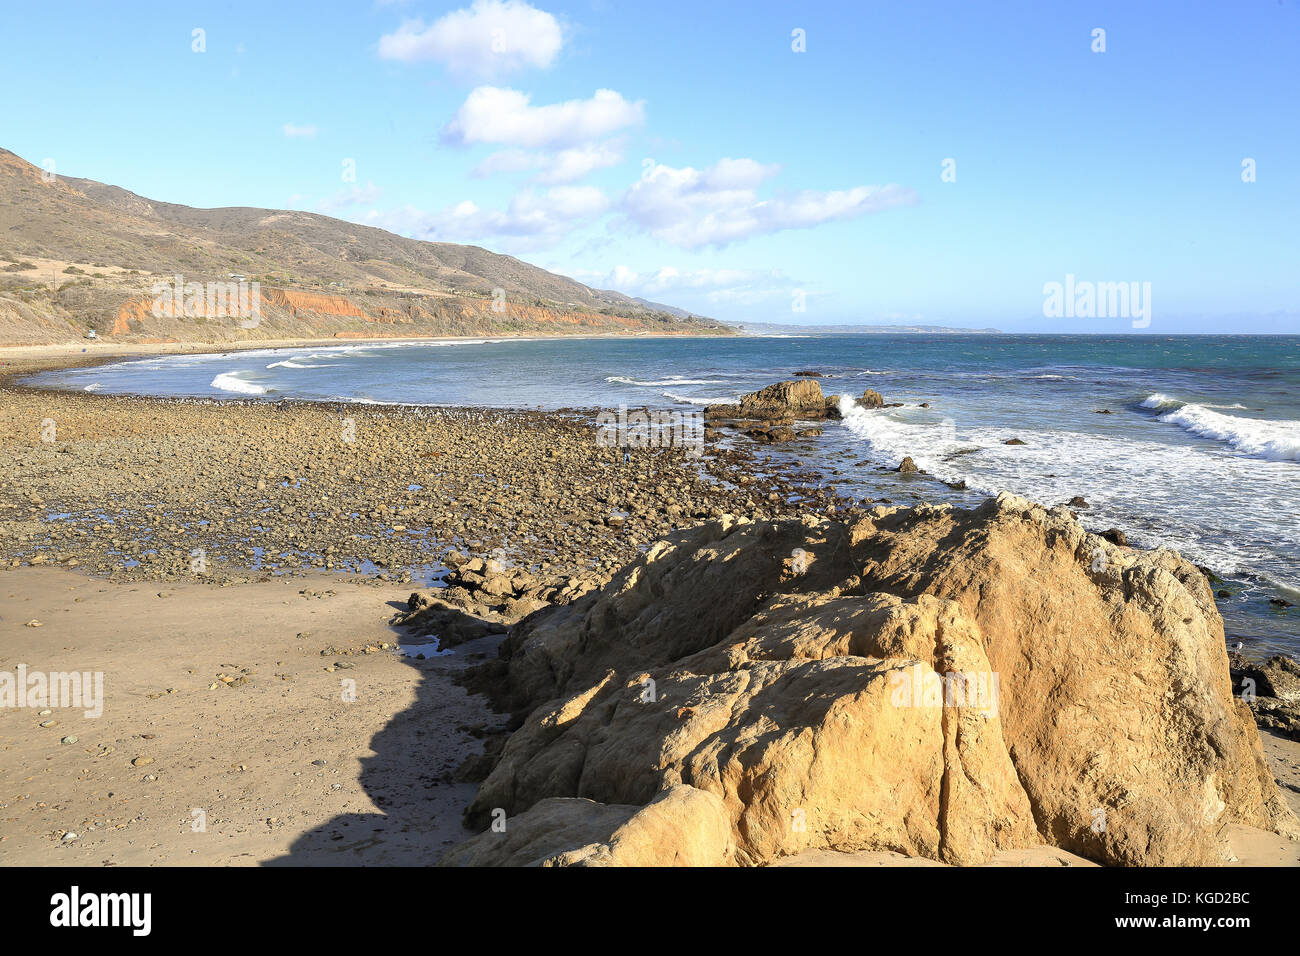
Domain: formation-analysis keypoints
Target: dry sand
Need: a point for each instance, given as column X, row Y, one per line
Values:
column 245, row 754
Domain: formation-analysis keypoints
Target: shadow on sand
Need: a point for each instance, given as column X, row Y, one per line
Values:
column 411, row 776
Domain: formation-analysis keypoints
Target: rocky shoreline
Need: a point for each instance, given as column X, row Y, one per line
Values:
column 767, row 618
column 226, row 491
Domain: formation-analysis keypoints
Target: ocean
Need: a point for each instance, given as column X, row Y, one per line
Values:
column 1200, row 450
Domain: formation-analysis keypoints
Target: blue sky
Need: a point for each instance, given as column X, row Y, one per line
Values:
column 686, row 152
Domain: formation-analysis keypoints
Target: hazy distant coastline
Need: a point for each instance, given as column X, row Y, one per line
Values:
column 779, row 328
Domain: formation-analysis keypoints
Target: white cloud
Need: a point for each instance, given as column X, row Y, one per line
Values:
column 720, row 204
column 294, row 131
column 352, row 196
column 564, row 166
column 490, row 38
column 542, row 217
column 504, row 117
column 733, row 286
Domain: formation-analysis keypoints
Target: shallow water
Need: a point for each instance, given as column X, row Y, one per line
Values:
column 1200, row 451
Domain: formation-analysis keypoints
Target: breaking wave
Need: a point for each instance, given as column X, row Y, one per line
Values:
column 231, row 382
column 1279, row 441
column 622, row 380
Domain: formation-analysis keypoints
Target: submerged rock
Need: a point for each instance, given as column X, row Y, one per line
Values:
column 940, row 682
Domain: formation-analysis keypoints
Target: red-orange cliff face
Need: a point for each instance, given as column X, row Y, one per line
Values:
column 133, row 310
column 301, row 314
column 295, row 302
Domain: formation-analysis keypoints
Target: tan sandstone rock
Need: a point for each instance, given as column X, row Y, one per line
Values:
column 943, row 683
column 682, row 826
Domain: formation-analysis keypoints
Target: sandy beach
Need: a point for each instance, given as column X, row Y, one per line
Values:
column 258, row 709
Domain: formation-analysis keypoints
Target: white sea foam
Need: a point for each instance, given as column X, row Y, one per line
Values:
column 622, row 380
column 928, row 443
column 1160, row 400
column 231, row 382
column 1279, row 441
column 1123, row 480
column 289, row 363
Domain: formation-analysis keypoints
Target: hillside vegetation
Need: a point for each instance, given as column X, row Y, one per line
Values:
column 77, row 255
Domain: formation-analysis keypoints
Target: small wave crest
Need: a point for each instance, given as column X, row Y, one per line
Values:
column 231, row 382
column 289, row 363
column 623, row 380
column 1279, row 441
column 1160, row 400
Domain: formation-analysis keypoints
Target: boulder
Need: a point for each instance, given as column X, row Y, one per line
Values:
column 941, row 682
column 1277, row 676
column 681, row 826
column 771, row 434
column 799, row 398
column 1271, row 689
column 906, row 466
column 871, row 399
column 785, row 397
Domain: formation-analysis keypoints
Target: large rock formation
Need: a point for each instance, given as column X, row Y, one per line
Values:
column 933, row 681
column 781, row 403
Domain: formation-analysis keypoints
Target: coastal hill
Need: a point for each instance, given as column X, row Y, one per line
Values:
column 78, row 255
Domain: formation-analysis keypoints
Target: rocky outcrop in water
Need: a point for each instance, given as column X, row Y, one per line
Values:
column 768, row 414
column 938, row 682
